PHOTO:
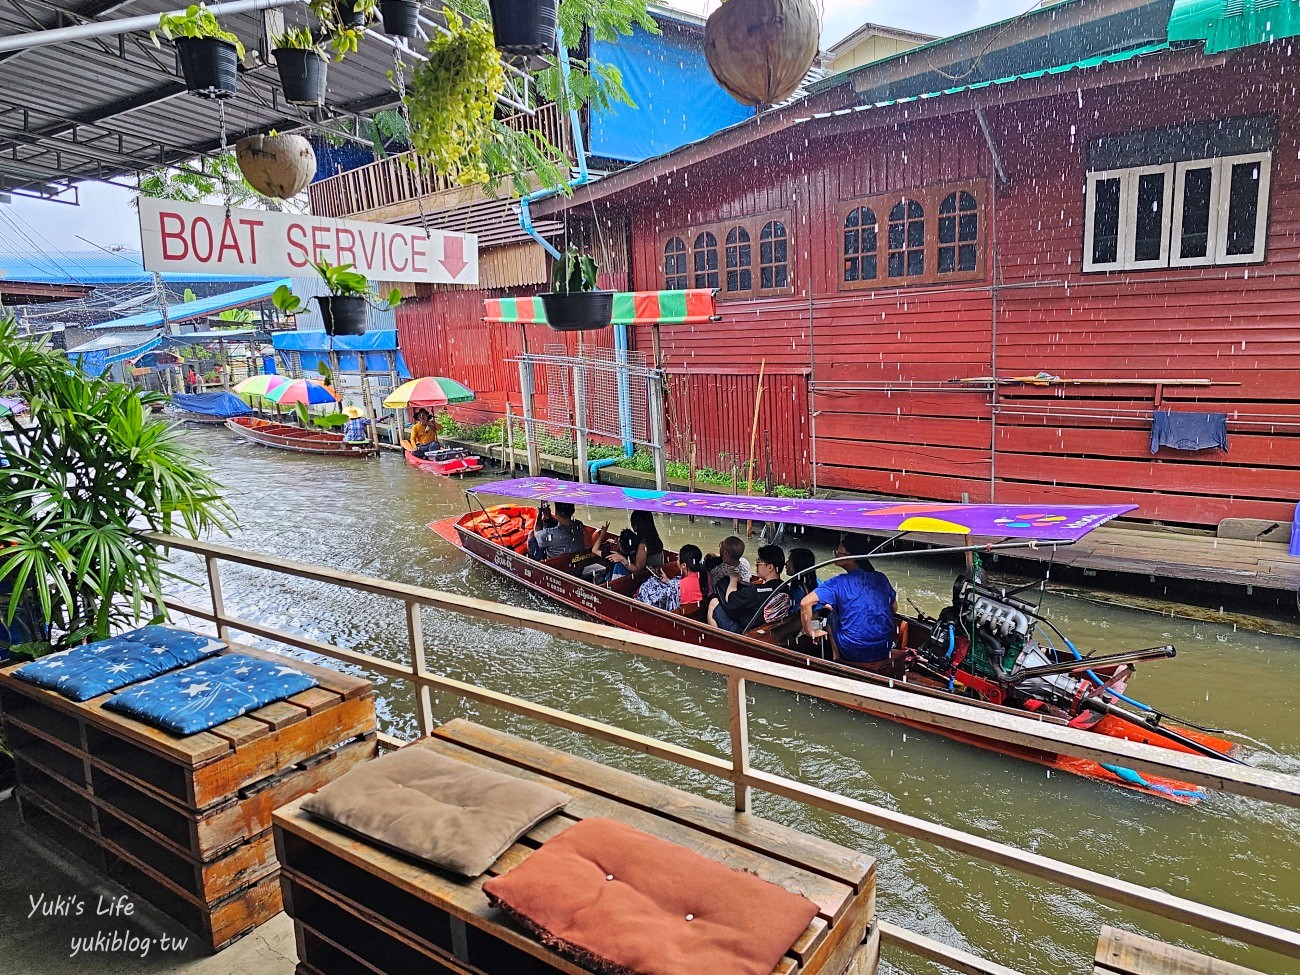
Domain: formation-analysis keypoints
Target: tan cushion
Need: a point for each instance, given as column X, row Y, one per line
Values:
column 622, row 901
column 436, row 809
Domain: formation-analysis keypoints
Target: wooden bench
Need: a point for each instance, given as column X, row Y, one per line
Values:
column 1124, row 953
column 184, row 822
column 358, row 908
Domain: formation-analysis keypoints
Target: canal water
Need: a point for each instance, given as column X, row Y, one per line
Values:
column 370, row 517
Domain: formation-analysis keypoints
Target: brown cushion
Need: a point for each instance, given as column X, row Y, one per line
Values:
column 620, row 900
column 436, row 809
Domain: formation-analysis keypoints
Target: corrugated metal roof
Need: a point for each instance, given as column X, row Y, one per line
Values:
column 93, row 267
column 118, row 340
column 1225, row 25
column 198, row 308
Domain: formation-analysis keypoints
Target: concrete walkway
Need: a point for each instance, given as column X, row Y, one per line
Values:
column 36, row 944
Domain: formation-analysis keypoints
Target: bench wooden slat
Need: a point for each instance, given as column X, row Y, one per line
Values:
column 1125, row 953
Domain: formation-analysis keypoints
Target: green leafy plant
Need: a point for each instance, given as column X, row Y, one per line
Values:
column 203, row 179
column 237, row 316
column 574, row 271
column 343, row 282
column 286, row 301
column 297, row 39
column 341, row 38
column 195, row 23
column 87, row 471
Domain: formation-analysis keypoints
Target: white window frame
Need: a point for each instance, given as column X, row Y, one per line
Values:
column 1171, row 226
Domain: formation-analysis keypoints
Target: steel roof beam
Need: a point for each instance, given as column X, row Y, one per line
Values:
column 97, row 115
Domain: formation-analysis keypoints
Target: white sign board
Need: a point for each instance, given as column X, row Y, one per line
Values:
column 193, row 237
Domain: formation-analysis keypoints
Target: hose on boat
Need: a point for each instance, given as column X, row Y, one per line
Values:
column 1130, row 777
column 952, row 645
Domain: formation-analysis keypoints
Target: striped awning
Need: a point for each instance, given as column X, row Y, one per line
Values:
column 630, row 308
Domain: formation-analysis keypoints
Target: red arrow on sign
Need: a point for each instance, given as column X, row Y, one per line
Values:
column 453, row 255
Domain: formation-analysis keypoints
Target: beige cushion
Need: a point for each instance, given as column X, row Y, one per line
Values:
column 436, row 809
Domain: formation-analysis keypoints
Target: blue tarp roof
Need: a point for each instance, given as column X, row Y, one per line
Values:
column 313, row 346
column 95, row 356
column 94, row 268
column 199, row 308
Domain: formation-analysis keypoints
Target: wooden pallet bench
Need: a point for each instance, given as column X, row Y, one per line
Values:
column 1124, row 953
column 358, row 908
column 184, row 822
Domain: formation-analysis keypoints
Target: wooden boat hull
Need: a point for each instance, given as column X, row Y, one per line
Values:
column 282, row 436
column 601, row 603
column 455, row 467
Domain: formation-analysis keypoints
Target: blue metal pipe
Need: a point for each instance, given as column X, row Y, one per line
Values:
column 597, row 465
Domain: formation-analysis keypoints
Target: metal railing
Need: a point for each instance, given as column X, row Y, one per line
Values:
column 739, row 671
column 396, row 179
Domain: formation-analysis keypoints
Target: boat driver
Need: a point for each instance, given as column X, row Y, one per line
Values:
column 566, row 535
column 862, row 603
column 424, row 434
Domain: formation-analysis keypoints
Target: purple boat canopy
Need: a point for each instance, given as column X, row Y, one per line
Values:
column 1044, row 522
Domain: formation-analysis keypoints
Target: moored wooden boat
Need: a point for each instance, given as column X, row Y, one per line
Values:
column 497, row 537
column 283, row 436
column 452, row 462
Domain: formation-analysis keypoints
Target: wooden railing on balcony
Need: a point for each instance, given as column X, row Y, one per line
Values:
column 395, row 179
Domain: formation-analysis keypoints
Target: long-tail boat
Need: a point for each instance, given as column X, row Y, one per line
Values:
column 284, row 436
column 449, row 462
column 988, row 647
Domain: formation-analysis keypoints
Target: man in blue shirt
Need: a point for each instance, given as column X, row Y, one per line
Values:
column 862, row 603
column 354, row 430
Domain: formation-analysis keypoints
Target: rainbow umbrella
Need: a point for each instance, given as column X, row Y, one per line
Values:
column 261, row 385
column 429, row 392
column 302, row 391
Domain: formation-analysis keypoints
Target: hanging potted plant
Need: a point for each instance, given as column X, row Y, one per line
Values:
column 346, row 309
column 302, row 65
column 524, row 26
column 574, row 304
column 209, row 55
column 346, row 13
column 401, row 17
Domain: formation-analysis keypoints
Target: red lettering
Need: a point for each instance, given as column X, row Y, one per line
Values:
column 320, row 247
column 229, row 242
column 392, row 258
column 369, row 252
column 177, row 235
column 202, row 252
column 349, row 248
column 252, row 226
column 297, row 245
column 419, row 251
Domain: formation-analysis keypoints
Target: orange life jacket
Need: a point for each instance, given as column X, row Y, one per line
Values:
column 508, row 525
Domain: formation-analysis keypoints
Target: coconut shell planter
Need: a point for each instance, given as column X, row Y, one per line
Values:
column 279, row 166
column 760, row 50
column 524, row 27
column 210, row 66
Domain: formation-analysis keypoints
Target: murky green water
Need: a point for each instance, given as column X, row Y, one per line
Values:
column 370, row 517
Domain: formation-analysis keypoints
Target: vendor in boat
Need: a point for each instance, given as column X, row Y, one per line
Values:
column 424, row 434
column 561, row 535
column 745, row 604
column 355, row 429
column 649, row 551
column 862, row 603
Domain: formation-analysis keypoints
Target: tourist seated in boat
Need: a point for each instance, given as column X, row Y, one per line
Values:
column 747, row 604
column 798, row 570
column 355, row 429
column 862, row 604
column 734, row 565
column 648, row 552
column 557, row 534
column 684, row 589
column 424, row 434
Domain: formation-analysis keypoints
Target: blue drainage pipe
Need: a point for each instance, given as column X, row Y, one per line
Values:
column 526, row 224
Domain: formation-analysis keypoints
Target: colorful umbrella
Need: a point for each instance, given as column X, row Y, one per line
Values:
column 261, row 385
column 302, row 391
column 431, row 391
column 10, row 405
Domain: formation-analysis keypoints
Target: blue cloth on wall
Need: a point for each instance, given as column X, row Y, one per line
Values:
column 209, row 693
column 108, row 665
column 1189, row 431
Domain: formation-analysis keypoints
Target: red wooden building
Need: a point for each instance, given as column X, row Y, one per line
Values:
column 1087, row 192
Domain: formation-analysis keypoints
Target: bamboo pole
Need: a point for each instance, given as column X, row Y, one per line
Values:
column 753, row 436
column 691, row 464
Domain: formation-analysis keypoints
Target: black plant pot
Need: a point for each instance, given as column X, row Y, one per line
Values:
column 524, row 26
column 578, row 311
column 344, row 314
column 349, row 15
column 210, row 66
column 401, row 17
column 302, row 75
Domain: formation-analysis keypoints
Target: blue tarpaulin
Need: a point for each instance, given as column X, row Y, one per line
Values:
column 211, row 404
column 668, row 72
column 376, row 345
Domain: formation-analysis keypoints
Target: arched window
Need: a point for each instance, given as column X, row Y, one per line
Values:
column 706, row 261
column 740, row 276
column 675, row 278
column 860, row 245
column 907, row 240
column 959, row 230
column 773, row 256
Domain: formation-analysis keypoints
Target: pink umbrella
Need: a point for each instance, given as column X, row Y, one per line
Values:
column 302, row 391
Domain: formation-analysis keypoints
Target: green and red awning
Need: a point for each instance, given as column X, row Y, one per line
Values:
column 630, row 308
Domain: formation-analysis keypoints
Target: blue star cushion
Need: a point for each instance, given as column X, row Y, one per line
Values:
column 205, row 695
column 108, row 665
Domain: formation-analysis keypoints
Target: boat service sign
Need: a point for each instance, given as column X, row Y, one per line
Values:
column 196, row 238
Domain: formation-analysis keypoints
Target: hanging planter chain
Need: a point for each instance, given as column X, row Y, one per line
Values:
column 399, row 72
column 221, row 159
